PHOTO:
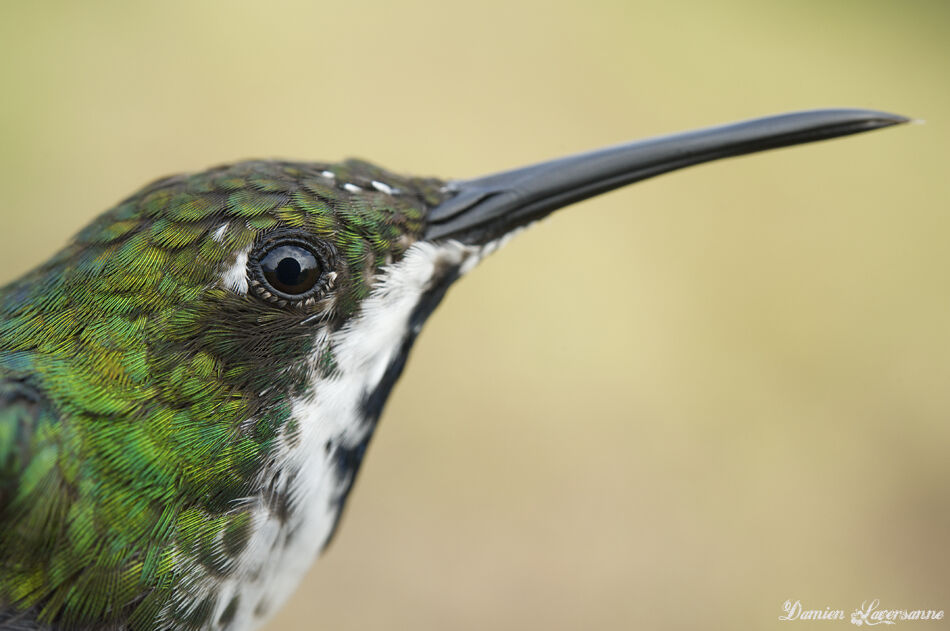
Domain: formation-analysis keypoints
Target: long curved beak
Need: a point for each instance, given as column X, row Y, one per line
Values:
column 486, row 208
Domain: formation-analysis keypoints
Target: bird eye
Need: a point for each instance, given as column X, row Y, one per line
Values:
column 290, row 270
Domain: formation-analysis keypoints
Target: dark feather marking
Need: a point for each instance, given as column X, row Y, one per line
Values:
column 228, row 614
column 348, row 460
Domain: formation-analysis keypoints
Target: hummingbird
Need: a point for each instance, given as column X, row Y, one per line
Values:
column 188, row 389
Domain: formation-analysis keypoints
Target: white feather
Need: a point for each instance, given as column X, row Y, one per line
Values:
column 272, row 564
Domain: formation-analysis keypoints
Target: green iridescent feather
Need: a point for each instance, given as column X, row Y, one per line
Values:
column 134, row 414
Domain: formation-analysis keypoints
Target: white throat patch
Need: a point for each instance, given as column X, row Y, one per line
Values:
column 331, row 421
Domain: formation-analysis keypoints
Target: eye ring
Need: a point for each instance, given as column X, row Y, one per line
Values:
column 290, row 269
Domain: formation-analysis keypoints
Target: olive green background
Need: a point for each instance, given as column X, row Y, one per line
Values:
column 673, row 407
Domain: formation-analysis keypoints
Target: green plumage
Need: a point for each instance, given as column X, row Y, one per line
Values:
column 138, row 399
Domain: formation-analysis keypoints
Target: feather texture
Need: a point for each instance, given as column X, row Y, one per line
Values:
column 141, row 398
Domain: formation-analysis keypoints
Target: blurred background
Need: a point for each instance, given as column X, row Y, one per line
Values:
column 672, row 407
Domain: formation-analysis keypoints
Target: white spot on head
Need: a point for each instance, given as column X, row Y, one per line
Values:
column 235, row 276
column 353, row 188
column 383, row 188
column 328, row 174
column 218, row 234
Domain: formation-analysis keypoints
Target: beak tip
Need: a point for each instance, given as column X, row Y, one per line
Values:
column 897, row 119
column 877, row 119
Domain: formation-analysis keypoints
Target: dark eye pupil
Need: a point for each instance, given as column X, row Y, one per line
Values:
column 291, row 269
column 288, row 272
